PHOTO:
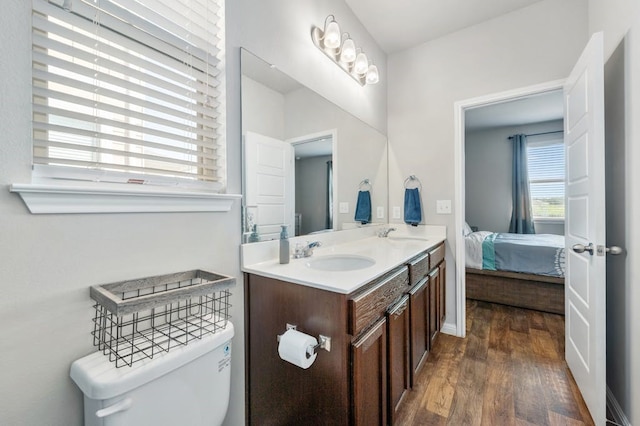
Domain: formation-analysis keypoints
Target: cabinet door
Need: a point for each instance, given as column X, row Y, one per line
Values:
column 398, row 335
column 369, row 360
column 434, row 283
column 442, row 294
column 418, row 298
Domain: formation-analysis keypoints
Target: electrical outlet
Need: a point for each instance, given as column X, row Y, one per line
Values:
column 343, row 207
column 443, row 206
column 396, row 212
column 380, row 212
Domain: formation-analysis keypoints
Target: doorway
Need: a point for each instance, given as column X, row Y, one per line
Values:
column 462, row 108
column 314, row 157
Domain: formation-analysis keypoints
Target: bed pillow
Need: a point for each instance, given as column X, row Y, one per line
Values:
column 466, row 230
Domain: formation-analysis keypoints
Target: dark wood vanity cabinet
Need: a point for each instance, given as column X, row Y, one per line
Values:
column 380, row 336
column 398, row 354
column 442, row 295
column 369, row 376
column 427, row 303
column 418, row 308
column 434, row 284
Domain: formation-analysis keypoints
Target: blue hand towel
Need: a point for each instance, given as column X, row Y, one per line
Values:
column 363, row 207
column 412, row 209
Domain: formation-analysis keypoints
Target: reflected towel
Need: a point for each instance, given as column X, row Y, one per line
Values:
column 412, row 209
column 363, row 207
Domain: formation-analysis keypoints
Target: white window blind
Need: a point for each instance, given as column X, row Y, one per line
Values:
column 546, row 178
column 129, row 90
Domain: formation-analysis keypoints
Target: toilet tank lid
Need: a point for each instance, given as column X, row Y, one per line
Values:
column 98, row 378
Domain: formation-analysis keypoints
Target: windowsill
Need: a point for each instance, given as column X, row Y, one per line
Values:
column 549, row 221
column 56, row 198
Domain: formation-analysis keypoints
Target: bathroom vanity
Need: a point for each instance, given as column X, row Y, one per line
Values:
column 382, row 320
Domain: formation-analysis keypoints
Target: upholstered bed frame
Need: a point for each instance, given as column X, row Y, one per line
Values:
column 539, row 292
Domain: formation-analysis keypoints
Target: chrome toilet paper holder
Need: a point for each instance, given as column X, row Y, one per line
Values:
column 324, row 342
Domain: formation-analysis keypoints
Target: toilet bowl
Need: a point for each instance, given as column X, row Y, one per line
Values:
column 188, row 385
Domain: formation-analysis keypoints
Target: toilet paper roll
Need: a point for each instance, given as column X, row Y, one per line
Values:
column 294, row 348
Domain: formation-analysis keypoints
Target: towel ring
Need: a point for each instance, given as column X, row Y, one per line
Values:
column 365, row 185
column 412, row 180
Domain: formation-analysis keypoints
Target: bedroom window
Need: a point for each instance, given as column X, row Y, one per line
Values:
column 129, row 92
column 546, row 162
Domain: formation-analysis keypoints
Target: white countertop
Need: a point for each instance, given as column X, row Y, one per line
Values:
column 388, row 253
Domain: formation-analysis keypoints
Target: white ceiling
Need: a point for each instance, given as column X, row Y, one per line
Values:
column 401, row 24
column 532, row 109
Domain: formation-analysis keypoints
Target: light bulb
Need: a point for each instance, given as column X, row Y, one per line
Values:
column 362, row 64
column 372, row 75
column 348, row 52
column 332, row 35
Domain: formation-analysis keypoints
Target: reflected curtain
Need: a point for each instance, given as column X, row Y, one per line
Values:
column 521, row 216
column 329, row 213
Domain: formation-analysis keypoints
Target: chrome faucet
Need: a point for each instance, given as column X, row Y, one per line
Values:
column 385, row 232
column 305, row 250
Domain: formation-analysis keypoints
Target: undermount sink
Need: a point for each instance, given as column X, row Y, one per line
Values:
column 406, row 238
column 340, row 262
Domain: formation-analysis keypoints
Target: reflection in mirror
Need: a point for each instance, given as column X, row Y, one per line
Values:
column 303, row 158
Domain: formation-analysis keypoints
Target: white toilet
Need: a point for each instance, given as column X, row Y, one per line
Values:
column 188, row 385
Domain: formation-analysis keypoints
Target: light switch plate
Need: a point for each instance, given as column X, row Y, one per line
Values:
column 443, row 206
column 396, row 212
column 380, row 212
column 343, row 207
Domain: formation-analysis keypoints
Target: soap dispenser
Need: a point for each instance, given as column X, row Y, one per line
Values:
column 254, row 237
column 284, row 245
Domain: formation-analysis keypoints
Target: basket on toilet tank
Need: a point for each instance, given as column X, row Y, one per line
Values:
column 139, row 319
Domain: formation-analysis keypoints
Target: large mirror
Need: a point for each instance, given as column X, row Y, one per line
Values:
column 305, row 160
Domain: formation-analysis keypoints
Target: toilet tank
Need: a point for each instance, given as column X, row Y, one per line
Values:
column 188, row 385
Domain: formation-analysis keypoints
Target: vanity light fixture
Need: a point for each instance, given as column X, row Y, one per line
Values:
column 343, row 51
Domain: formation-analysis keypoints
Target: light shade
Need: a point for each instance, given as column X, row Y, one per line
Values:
column 348, row 51
column 372, row 75
column 332, row 35
column 362, row 64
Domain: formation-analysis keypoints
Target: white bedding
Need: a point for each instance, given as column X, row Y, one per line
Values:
column 539, row 254
column 473, row 247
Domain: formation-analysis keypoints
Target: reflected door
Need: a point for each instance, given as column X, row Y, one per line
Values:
column 268, row 185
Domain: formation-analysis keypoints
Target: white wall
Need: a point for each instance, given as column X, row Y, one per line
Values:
column 48, row 262
column 280, row 33
column 620, row 22
column 533, row 45
column 488, row 176
column 262, row 109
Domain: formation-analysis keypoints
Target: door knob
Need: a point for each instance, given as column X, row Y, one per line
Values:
column 613, row 250
column 581, row 248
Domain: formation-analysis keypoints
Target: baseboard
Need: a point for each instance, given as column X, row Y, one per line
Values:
column 449, row 328
column 616, row 411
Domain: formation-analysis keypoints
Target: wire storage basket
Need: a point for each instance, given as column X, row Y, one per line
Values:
column 138, row 319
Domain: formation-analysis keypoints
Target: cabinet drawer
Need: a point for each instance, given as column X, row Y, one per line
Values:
column 418, row 268
column 369, row 305
column 436, row 256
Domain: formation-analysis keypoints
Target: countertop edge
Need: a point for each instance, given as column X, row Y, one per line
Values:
column 356, row 279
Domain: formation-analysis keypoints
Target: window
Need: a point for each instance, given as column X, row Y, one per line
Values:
column 546, row 178
column 129, row 91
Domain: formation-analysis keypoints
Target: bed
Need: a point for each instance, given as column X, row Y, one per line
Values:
column 526, row 271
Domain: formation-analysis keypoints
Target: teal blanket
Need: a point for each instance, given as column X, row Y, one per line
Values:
column 541, row 254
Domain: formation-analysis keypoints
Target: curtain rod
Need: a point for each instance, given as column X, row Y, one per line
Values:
column 543, row 133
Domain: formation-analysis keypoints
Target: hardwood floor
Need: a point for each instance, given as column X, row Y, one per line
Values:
column 509, row 370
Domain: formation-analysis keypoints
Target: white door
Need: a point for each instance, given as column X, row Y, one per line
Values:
column 585, row 304
column 268, row 185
